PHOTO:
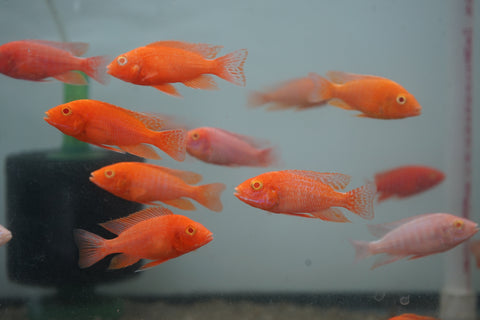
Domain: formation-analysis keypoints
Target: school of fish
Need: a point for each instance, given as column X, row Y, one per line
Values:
column 159, row 235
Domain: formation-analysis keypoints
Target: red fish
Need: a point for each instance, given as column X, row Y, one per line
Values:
column 415, row 237
column 307, row 194
column 147, row 183
column 106, row 125
column 37, row 60
column 162, row 63
column 373, row 96
column 294, row 93
column 222, row 147
column 153, row 233
column 411, row 316
column 406, row 181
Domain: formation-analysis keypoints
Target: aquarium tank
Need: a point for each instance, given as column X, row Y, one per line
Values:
column 239, row 159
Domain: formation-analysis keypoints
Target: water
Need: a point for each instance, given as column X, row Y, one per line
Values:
column 255, row 254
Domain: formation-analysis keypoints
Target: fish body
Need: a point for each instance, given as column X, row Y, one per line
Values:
column 415, row 237
column 411, row 316
column 153, row 233
column 294, row 93
column 37, row 60
column 106, row 125
column 373, row 96
column 161, row 63
column 406, row 181
column 222, row 147
column 148, row 183
column 307, row 194
column 5, row 235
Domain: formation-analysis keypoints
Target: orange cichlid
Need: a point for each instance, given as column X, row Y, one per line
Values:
column 148, row 183
column 37, row 60
column 294, row 93
column 153, row 233
column 162, row 63
column 415, row 237
column 411, row 316
column 373, row 96
column 222, row 147
column 307, row 194
column 105, row 125
column 406, row 181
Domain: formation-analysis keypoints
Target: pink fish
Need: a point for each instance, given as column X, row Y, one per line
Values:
column 222, row 147
column 417, row 237
column 5, row 235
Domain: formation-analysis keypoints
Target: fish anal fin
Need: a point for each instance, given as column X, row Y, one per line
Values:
column 168, row 89
column 331, row 214
column 340, row 104
column 340, row 77
column 419, row 256
column 337, row 181
column 141, row 150
column 205, row 50
column 183, row 204
column 118, row 226
column 75, row 48
column 71, row 77
column 121, row 261
column 386, row 259
column 204, row 82
column 152, row 264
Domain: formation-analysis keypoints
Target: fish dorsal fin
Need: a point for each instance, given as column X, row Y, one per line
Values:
column 118, row 226
column 75, row 48
column 188, row 177
column 340, row 77
column 152, row 121
column 379, row 230
column 205, row 50
column 337, row 181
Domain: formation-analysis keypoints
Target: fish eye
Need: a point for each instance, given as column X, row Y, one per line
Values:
column 122, row 60
column 401, row 99
column 256, row 185
column 190, row 230
column 66, row 111
column 458, row 224
column 109, row 173
column 195, row 136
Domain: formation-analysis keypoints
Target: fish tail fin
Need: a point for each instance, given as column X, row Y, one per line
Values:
column 360, row 200
column 91, row 248
column 267, row 157
column 257, row 98
column 96, row 68
column 230, row 67
column 172, row 142
column 208, row 195
column 362, row 249
column 323, row 89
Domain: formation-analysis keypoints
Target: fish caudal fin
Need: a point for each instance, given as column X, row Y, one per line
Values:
column 323, row 89
column 96, row 68
column 91, row 248
column 230, row 67
column 172, row 142
column 267, row 157
column 362, row 249
column 208, row 196
column 360, row 200
column 257, row 99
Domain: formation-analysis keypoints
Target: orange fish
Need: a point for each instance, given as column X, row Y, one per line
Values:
column 411, row 316
column 147, row 183
column 374, row 96
column 307, row 194
column 161, row 63
column 106, row 125
column 222, row 147
column 293, row 93
column 406, row 181
column 37, row 60
column 153, row 233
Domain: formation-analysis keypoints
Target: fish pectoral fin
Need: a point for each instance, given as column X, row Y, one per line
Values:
column 331, row 214
column 121, row 261
column 204, row 82
column 151, row 264
column 141, row 150
column 71, row 77
column 183, row 204
column 168, row 89
column 386, row 259
column 137, row 193
column 340, row 104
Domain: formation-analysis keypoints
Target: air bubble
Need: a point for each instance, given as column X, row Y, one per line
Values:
column 379, row 296
column 405, row 300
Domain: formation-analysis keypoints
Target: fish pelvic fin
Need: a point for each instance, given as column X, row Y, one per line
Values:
column 323, row 89
column 208, row 195
column 230, row 67
column 360, row 200
column 362, row 249
column 151, row 264
column 96, row 68
column 172, row 142
column 91, row 248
